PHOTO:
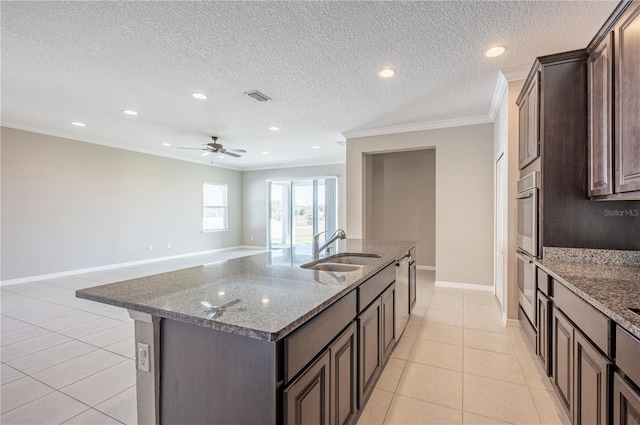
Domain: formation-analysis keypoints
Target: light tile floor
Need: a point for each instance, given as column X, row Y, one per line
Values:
column 67, row 360
column 457, row 363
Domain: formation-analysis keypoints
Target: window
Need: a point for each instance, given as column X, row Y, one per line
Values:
column 214, row 207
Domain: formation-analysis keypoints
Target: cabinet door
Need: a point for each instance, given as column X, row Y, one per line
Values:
column 562, row 364
column 627, row 100
column 412, row 285
column 543, row 339
column 523, row 115
column 590, row 384
column 306, row 400
column 529, row 125
column 344, row 377
column 369, row 324
column 387, row 300
column 600, row 71
column 626, row 403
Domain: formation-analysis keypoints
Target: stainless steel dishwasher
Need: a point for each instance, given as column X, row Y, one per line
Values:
column 402, row 294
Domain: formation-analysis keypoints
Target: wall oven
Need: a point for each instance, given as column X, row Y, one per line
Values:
column 527, row 238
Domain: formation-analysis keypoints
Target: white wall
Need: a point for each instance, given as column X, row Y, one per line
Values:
column 464, row 195
column 68, row 205
column 254, row 197
column 401, row 200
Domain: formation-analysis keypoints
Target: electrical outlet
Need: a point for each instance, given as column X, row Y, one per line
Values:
column 150, row 247
column 143, row 357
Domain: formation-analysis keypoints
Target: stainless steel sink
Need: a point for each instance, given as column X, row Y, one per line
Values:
column 342, row 263
column 354, row 259
column 333, row 267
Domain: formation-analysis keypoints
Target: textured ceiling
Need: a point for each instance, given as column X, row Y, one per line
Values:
column 318, row 61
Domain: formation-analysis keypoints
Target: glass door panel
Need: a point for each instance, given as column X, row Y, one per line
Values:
column 279, row 215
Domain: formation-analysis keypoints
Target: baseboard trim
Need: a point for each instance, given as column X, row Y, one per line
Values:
column 426, row 267
column 461, row 285
column 511, row 323
column 118, row 265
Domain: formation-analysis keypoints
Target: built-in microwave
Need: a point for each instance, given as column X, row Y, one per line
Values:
column 527, row 221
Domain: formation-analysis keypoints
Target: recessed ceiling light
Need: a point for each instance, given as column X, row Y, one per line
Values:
column 199, row 96
column 387, row 73
column 79, row 124
column 265, row 153
column 495, row 51
column 166, row 144
column 274, row 128
column 265, row 300
column 315, row 147
column 129, row 112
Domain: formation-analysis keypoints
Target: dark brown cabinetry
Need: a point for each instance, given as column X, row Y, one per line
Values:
column 563, row 360
column 388, row 339
column 627, row 101
column 626, row 403
column 600, row 72
column 543, row 347
column 590, row 384
column 306, row 400
column 344, row 377
column 528, row 141
column 614, row 106
column 369, row 324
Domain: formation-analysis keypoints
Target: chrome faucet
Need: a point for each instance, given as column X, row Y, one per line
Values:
column 338, row 234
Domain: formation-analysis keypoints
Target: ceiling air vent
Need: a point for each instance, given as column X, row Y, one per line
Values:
column 255, row 94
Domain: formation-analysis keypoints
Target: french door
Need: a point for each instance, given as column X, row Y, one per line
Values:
column 299, row 209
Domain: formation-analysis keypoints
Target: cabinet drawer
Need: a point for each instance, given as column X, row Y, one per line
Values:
column 593, row 324
column 628, row 354
column 545, row 284
column 305, row 343
column 373, row 287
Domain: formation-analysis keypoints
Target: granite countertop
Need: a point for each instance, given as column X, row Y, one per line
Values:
column 266, row 295
column 611, row 289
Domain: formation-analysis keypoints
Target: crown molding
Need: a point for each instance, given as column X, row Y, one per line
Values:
column 498, row 94
column 516, row 73
column 406, row 128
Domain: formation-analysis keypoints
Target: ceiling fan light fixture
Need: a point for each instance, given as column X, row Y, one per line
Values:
column 130, row 112
column 220, row 156
column 199, row 96
column 495, row 51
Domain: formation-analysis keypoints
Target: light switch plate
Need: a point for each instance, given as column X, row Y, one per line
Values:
column 143, row 357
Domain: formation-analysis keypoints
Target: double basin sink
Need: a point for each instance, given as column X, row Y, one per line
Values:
column 345, row 262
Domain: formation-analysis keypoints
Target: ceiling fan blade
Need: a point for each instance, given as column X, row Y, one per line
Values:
column 230, row 154
column 199, row 149
column 215, row 145
column 237, row 150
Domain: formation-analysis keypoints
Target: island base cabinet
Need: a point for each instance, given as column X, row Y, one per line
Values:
column 626, row 403
column 591, row 383
column 388, row 321
column 344, row 377
column 562, row 365
column 307, row 399
column 369, row 324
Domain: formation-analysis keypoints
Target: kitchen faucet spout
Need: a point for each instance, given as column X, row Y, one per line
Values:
column 339, row 234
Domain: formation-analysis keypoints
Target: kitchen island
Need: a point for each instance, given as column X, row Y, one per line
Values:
column 259, row 339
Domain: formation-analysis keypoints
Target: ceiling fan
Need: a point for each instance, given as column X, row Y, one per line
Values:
column 215, row 147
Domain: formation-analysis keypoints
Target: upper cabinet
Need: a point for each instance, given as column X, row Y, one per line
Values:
column 529, row 132
column 614, row 126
